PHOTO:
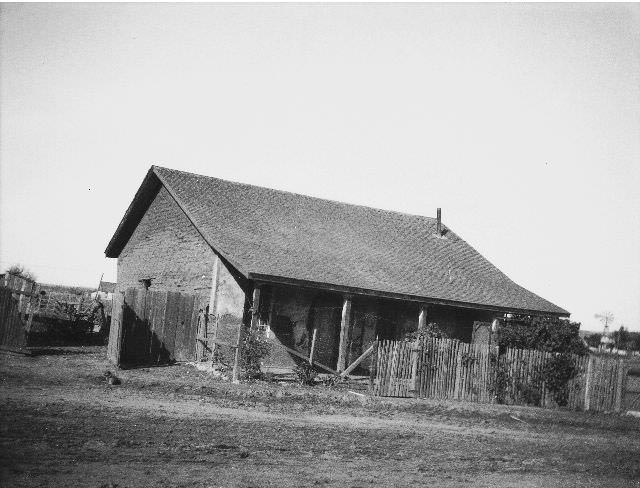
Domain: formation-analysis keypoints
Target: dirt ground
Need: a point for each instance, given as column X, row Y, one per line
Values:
column 63, row 426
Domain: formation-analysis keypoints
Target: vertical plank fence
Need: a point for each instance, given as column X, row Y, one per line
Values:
column 448, row 369
column 154, row 327
column 19, row 301
column 12, row 327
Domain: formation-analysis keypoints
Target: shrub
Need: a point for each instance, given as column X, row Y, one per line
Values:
column 254, row 349
column 432, row 330
column 305, row 373
column 549, row 334
column 499, row 378
column 556, row 374
column 334, row 380
column 21, row 271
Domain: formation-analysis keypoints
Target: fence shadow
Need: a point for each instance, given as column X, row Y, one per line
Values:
column 141, row 345
column 59, row 351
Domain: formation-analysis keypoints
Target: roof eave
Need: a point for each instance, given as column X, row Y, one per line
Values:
column 399, row 296
column 138, row 206
column 216, row 248
column 147, row 191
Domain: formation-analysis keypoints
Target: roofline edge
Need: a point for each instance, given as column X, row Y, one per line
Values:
column 214, row 247
column 113, row 249
column 399, row 296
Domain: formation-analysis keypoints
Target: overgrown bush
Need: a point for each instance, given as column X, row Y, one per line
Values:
column 21, row 271
column 334, row 380
column 254, row 349
column 499, row 378
column 305, row 373
column 548, row 334
column 432, row 330
column 556, row 374
column 503, row 387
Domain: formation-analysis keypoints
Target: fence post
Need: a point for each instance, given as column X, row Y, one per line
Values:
column 345, row 325
column 415, row 348
column 622, row 373
column 236, row 360
column 587, row 386
column 373, row 369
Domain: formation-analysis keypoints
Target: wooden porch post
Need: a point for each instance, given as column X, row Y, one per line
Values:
column 255, row 307
column 211, row 317
column 415, row 349
column 345, row 323
column 422, row 318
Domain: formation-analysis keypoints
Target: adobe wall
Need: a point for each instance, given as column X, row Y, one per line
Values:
column 167, row 249
column 228, row 306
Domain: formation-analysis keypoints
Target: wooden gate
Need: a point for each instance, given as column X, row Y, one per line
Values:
column 154, row 327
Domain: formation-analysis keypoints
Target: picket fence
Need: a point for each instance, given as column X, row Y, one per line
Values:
column 448, row 369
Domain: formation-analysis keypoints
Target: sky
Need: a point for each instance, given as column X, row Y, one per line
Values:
column 521, row 121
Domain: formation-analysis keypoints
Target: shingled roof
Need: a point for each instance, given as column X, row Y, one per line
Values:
column 274, row 235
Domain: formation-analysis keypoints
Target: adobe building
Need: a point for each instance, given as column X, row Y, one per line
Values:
column 291, row 264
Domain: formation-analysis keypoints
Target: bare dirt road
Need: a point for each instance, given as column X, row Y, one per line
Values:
column 62, row 425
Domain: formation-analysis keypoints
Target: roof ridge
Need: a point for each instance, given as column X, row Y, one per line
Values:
column 368, row 207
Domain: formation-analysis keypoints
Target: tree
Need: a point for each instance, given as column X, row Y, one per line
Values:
column 621, row 338
column 21, row 271
column 593, row 340
column 550, row 334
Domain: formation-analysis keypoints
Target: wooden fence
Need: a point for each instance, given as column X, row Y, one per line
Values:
column 453, row 370
column 33, row 301
column 26, row 292
column 154, row 327
column 19, row 301
column 12, row 326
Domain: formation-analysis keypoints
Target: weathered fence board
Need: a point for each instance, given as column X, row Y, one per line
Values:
column 115, row 329
column 154, row 327
column 12, row 326
column 450, row 369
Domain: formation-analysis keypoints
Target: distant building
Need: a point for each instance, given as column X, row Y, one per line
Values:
column 105, row 291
